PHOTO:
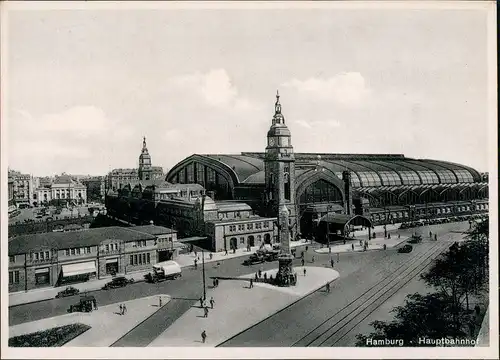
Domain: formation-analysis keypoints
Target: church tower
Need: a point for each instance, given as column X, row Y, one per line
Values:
column 145, row 169
column 280, row 170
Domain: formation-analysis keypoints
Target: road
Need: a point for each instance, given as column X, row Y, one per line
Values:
column 367, row 281
column 358, row 272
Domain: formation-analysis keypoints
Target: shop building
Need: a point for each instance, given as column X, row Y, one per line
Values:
column 56, row 258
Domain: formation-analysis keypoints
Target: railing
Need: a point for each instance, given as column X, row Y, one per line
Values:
column 41, row 261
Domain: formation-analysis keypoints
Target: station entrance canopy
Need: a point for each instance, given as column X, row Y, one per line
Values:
column 342, row 222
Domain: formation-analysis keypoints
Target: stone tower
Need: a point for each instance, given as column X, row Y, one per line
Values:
column 145, row 169
column 280, row 190
column 280, row 170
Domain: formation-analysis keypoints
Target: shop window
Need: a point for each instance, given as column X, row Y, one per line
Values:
column 148, row 258
column 135, row 260
column 67, row 252
column 13, row 277
column 88, row 250
column 131, row 259
column 72, row 251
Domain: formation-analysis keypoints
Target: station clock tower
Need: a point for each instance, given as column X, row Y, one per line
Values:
column 280, row 172
column 145, row 168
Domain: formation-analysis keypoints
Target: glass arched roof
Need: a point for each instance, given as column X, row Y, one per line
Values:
column 367, row 170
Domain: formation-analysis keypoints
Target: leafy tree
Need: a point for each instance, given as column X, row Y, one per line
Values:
column 422, row 316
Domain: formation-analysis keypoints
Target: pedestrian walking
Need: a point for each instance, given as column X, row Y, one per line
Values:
column 159, row 298
column 256, row 276
column 430, row 234
column 352, row 247
column 435, row 237
column 196, row 263
column 385, row 247
column 302, row 262
column 205, row 311
column 331, row 262
column 251, row 283
column 195, row 254
column 214, row 283
column 312, row 259
column 399, row 236
column 121, row 309
column 360, row 242
column 302, row 255
column 265, row 276
column 327, row 287
column 201, row 301
column 211, row 256
column 234, row 250
column 212, row 302
column 307, row 248
column 203, row 336
column 225, row 251
column 260, row 273
column 305, row 271
column 217, row 282
column 124, row 309
column 329, row 249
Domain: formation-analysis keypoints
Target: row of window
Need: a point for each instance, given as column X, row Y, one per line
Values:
column 140, row 259
column 141, row 243
column 13, row 277
column 111, row 247
column 78, row 251
column 249, row 226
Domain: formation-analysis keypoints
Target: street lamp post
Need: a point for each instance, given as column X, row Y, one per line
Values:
column 203, row 271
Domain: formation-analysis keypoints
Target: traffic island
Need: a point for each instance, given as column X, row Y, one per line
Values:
column 238, row 306
column 106, row 324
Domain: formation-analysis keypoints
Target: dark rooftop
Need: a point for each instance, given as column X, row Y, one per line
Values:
column 153, row 229
column 64, row 240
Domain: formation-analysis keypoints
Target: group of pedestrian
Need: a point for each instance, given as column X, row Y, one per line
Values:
column 123, row 309
column 215, row 282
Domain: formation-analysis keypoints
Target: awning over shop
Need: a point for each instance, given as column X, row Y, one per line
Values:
column 79, row 269
column 111, row 261
column 42, row 271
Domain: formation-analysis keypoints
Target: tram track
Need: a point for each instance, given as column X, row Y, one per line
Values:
column 343, row 321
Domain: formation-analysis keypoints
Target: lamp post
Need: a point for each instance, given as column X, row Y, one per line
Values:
column 203, row 271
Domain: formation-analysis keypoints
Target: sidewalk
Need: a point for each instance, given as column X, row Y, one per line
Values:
column 237, row 308
column 374, row 244
column 107, row 326
column 184, row 260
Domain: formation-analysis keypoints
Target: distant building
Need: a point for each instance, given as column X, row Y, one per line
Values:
column 187, row 209
column 118, row 178
column 57, row 258
column 63, row 190
column 22, row 188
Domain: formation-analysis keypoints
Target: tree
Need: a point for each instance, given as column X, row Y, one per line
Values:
column 422, row 316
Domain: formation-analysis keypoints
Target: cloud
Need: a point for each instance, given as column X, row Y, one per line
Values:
column 347, row 88
column 318, row 124
column 214, row 88
column 73, row 140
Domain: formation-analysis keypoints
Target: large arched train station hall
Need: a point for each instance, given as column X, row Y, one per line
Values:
column 385, row 188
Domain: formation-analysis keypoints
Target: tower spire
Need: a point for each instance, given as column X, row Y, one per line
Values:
column 277, row 106
column 143, row 142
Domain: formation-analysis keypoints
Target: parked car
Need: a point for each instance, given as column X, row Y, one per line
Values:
column 118, row 282
column 415, row 239
column 86, row 304
column 69, row 291
column 405, row 249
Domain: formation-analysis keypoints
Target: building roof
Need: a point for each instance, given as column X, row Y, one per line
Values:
column 153, row 229
column 59, row 240
column 366, row 169
column 232, row 206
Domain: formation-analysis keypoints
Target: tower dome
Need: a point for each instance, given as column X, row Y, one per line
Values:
column 278, row 127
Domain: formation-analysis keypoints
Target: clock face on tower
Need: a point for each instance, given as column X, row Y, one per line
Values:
column 271, row 141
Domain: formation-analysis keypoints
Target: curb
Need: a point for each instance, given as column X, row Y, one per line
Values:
column 277, row 312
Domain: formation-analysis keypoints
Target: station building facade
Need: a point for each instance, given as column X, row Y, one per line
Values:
column 381, row 187
column 54, row 259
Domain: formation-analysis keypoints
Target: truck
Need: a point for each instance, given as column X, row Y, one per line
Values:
column 262, row 255
column 163, row 271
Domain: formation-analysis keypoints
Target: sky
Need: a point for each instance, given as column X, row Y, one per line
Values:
column 84, row 86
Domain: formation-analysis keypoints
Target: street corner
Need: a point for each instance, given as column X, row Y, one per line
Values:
column 107, row 324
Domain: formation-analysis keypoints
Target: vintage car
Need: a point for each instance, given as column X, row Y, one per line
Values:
column 86, row 304
column 118, row 282
column 415, row 239
column 69, row 291
column 405, row 249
